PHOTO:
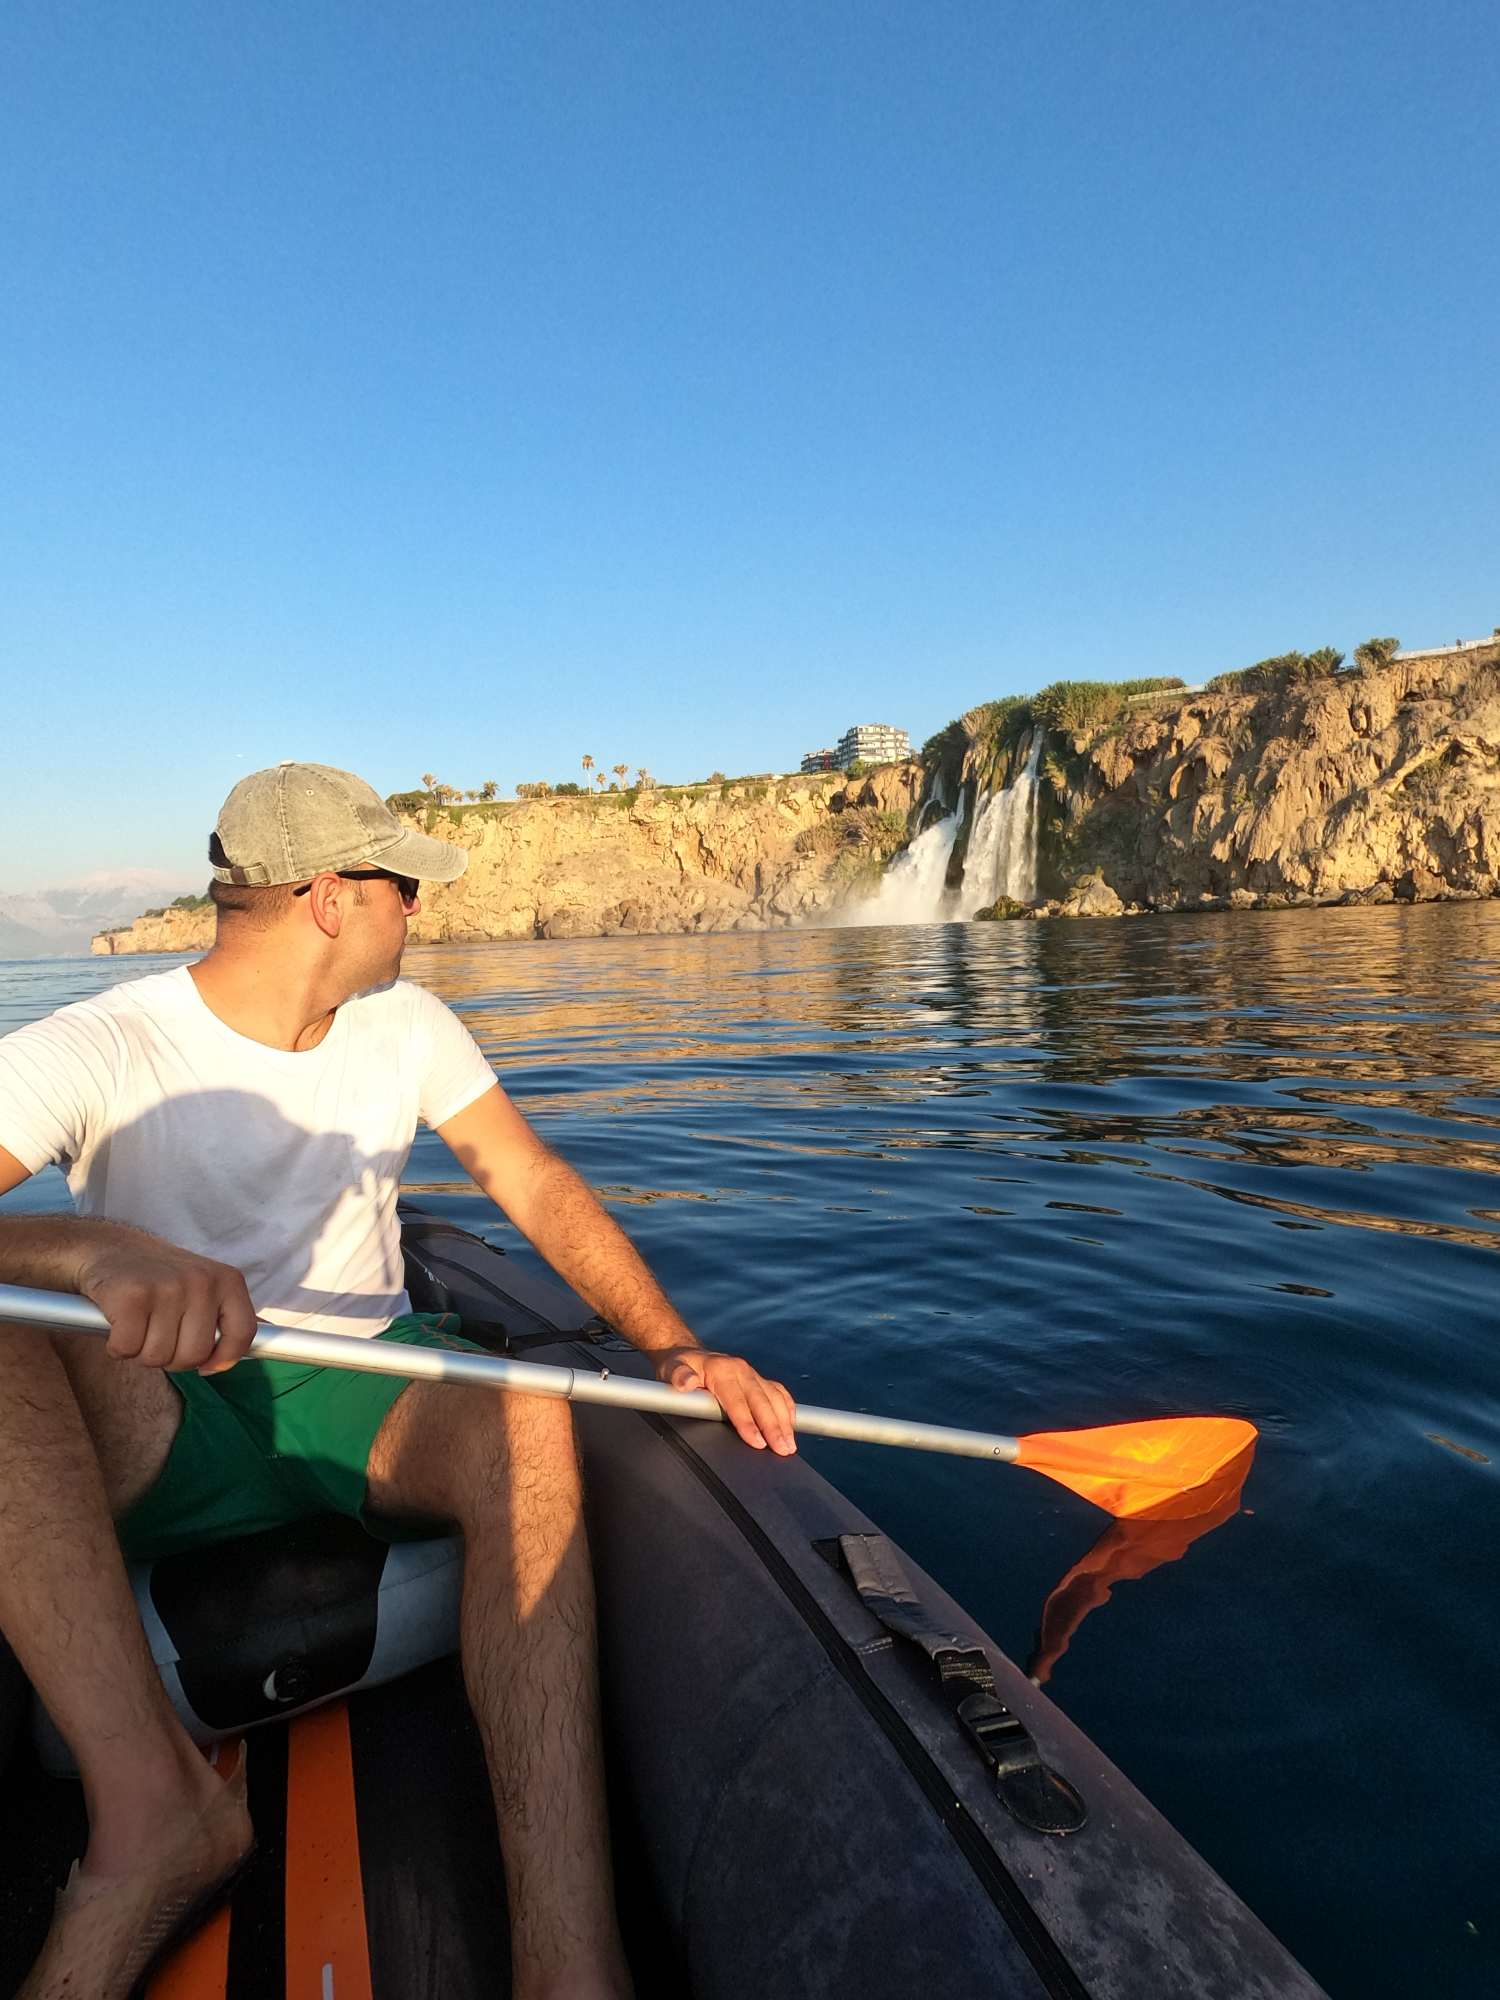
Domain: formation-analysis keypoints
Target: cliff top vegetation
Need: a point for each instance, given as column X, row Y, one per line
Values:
column 455, row 806
column 1084, row 708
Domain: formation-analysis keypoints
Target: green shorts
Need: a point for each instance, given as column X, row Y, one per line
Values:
column 268, row 1442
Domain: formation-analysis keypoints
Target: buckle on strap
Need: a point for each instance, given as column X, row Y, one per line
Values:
column 1039, row 1797
column 1002, row 1739
column 1031, row 1791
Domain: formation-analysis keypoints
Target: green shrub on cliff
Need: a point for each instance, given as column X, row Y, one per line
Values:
column 1078, row 706
column 823, row 837
column 947, row 741
column 992, row 722
column 1425, row 781
column 1154, row 684
column 1279, row 672
column 993, row 730
column 1376, row 653
column 887, row 827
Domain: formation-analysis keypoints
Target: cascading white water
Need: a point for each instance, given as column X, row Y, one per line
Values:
column 911, row 891
column 1001, row 860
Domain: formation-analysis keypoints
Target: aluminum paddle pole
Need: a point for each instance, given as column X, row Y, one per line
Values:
column 65, row 1312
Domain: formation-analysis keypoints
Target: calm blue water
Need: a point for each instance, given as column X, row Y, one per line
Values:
column 1036, row 1175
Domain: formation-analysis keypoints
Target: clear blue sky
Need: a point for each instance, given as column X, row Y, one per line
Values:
column 465, row 387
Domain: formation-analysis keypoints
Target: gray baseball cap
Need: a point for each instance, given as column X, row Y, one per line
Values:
column 299, row 820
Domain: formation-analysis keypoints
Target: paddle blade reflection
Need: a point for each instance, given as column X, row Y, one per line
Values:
column 1130, row 1549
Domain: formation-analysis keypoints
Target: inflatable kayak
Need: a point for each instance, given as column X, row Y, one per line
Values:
column 825, row 1780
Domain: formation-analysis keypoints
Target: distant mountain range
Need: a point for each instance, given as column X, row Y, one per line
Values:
column 58, row 923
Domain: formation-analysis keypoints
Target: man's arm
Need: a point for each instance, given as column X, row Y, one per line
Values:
column 164, row 1305
column 559, row 1214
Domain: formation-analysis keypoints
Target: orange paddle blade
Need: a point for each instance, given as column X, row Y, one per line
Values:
column 1133, row 1468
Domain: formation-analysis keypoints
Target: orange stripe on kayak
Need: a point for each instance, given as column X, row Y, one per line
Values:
column 327, row 1951
column 199, row 1968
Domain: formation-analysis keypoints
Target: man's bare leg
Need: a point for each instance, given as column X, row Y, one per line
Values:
column 505, row 1468
column 65, row 1604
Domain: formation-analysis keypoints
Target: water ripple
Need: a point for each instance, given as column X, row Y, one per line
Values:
column 1028, row 1176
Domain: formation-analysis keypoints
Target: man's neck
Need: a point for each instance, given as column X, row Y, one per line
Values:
column 265, row 999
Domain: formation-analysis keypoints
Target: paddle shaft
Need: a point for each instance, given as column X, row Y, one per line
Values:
column 65, row 1312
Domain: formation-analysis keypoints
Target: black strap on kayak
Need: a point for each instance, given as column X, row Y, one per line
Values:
column 1031, row 1791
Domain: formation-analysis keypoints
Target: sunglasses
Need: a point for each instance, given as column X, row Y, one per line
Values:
column 407, row 886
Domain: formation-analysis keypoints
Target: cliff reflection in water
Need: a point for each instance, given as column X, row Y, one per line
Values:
column 1349, row 1041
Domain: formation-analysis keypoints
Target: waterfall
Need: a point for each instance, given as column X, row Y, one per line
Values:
column 1001, row 860
column 911, row 891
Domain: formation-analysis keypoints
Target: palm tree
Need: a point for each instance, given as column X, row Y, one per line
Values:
column 429, row 779
column 619, row 770
column 489, row 789
column 642, row 777
column 588, row 763
column 601, row 781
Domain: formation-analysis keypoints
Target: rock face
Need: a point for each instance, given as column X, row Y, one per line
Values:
column 1372, row 786
column 172, row 930
column 1361, row 787
column 1092, row 897
column 745, row 856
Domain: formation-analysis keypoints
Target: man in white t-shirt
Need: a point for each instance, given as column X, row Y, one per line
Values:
column 234, row 1134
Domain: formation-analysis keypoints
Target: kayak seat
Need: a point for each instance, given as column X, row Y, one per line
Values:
column 254, row 1630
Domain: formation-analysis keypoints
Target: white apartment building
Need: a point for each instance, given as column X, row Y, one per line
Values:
column 872, row 743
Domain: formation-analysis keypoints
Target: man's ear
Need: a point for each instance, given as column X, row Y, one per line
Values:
column 325, row 903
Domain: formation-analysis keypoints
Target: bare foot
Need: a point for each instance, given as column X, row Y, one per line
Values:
column 110, row 1928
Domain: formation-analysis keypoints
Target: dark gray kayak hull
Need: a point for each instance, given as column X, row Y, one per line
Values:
column 817, row 1822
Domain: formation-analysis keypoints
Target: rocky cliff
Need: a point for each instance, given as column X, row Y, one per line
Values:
column 1365, row 785
column 741, row 856
column 167, row 930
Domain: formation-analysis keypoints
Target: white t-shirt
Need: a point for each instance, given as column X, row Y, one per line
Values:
column 286, row 1166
